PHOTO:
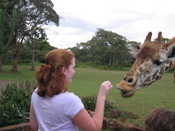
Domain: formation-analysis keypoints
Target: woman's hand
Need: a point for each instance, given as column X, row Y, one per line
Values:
column 104, row 88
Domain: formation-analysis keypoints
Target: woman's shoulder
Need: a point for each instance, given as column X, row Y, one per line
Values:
column 70, row 95
column 34, row 92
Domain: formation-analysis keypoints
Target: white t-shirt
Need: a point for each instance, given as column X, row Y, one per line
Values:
column 56, row 113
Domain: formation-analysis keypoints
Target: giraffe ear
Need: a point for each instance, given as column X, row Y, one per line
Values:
column 170, row 46
column 159, row 37
column 134, row 49
column 148, row 37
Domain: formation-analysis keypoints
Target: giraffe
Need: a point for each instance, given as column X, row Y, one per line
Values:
column 152, row 60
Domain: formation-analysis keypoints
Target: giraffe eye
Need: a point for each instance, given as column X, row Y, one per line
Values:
column 157, row 62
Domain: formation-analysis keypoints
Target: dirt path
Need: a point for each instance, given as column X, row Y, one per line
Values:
column 3, row 83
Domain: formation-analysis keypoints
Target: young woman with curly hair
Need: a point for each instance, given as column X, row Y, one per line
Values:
column 53, row 107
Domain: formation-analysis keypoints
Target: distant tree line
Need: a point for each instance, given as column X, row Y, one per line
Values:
column 29, row 55
column 105, row 48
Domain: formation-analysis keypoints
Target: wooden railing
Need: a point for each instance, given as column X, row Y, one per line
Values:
column 18, row 127
column 26, row 127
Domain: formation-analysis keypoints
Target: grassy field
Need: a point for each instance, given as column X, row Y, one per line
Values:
column 87, row 80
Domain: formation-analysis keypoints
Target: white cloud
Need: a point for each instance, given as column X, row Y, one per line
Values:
column 130, row 18
column 64, row 37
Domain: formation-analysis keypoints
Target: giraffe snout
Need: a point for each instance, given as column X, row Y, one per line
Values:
column 126, row 90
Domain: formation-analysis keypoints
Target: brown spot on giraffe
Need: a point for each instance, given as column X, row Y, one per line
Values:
column 152, row 59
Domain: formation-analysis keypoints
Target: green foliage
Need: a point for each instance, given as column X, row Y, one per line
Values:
column 121, row 115
column 21, row 22
column 113, row 117
column 105, row 48
column 90, row 103
column 102, row 67
column 41, row 48
column 15, row 102
column 4, row 32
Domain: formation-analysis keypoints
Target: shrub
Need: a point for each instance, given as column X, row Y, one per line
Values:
column 114, row 118
column 90, row 103
column 15, row 102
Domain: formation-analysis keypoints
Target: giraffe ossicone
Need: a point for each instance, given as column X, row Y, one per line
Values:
column 152, row 60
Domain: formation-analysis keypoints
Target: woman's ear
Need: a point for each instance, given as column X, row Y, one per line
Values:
column 63, row 70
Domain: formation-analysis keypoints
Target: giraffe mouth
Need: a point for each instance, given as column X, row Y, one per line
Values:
column 127, row 93
column 126, row 90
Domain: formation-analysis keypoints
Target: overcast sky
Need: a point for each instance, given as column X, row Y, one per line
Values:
column 80, row 19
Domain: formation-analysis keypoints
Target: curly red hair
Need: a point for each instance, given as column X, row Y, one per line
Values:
column 50, row 78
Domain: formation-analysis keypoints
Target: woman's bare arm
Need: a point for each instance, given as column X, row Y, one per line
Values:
column 84, row 121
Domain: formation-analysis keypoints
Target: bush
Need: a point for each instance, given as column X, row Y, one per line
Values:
column 114, row 118
column 15, row 103
column 90, row 103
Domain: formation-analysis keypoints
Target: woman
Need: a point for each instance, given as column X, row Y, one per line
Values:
column 53, row 108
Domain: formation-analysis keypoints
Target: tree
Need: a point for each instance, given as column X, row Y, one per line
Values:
column 27, row 55
column 7, row 28
column 38, row 49
column 27, row 18
column 2, row 37
column 105, row 48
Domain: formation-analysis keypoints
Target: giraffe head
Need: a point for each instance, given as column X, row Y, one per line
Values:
column 152, row 59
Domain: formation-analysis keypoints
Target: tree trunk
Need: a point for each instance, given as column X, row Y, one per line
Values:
column 11, row 38
column 16, row 56
column 1, row 64
column 15, row 59
column 34, row 42
column 15, row 62
column 33, row 60
column 110, row 60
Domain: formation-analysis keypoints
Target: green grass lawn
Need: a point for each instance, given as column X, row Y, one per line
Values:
column 87, row 81
column 23, row 74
